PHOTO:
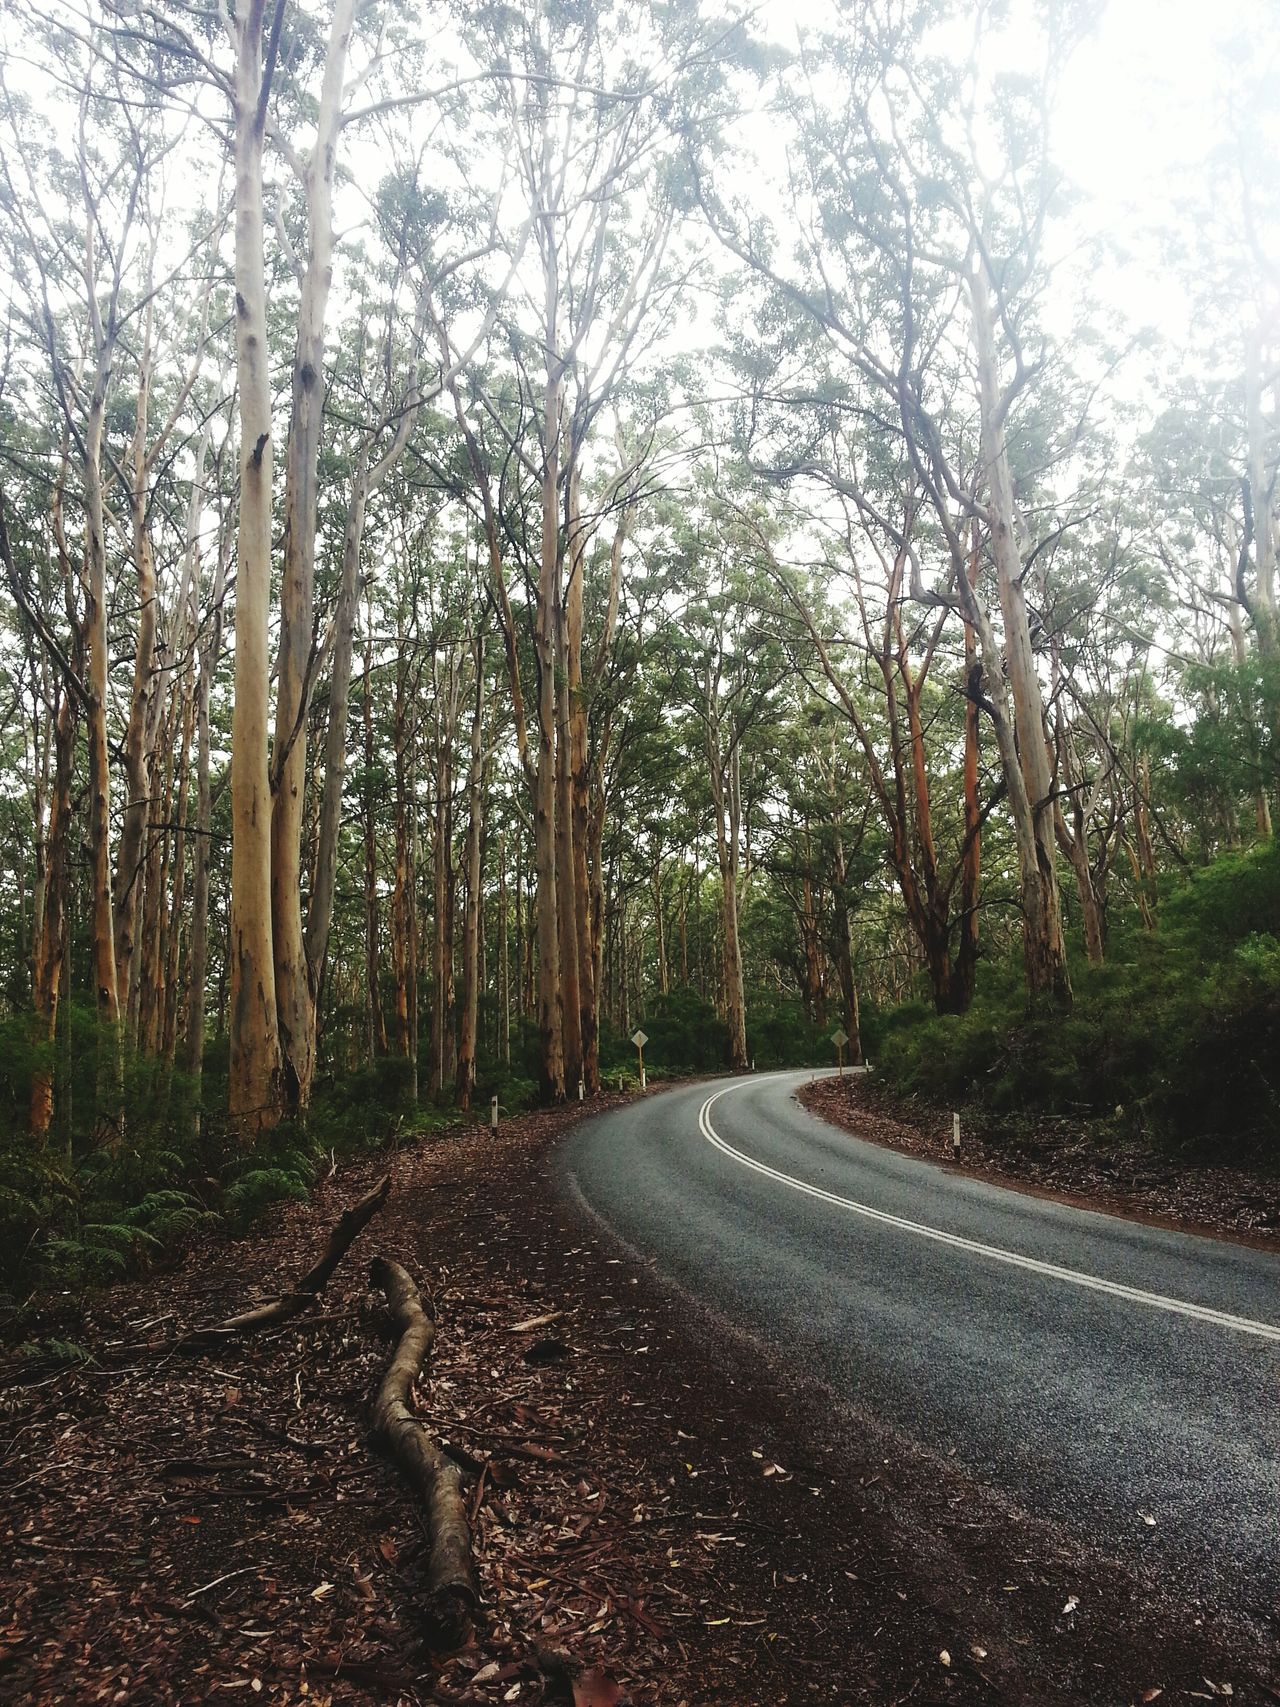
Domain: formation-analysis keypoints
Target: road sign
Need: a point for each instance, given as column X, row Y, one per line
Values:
column 640, row 1038
column 840, row 1037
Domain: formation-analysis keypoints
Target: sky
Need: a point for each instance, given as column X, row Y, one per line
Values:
column 1138, row 111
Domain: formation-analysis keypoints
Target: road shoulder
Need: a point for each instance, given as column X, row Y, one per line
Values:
column 1127, row 1180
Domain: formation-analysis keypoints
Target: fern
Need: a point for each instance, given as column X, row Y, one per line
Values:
column 55, row 1351
column 166, row 1216
column 258, row 1189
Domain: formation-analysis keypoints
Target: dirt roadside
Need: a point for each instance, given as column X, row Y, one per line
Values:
column 1125, row 1178
column 651, row 1494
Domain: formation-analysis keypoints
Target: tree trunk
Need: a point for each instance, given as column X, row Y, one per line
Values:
column 550, row 996
column 966, row 960
column 137, row 759
column 255, row 1089
column 375, row 1022
column 149, row 973
column 198, row 948
column 1142, row 841
column 465, row 1080
column 504, row 958
column 814, row 1003
column 50, row 946
column 726, row 800
column 1074, row 842
column 844, row 956
column 1261, row 800
column 446, row 697
column 110, row 1067
column 177, row 908
column 320, row 910
column 192, row 1054
column 295, row 988
column 404, row 913
column 566, row 891
column 1046, row 964
column 660, row 928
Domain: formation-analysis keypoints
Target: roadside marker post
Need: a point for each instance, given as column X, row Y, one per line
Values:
column 955, row 1134
column 582, row 1089
column 640, row 1038
column 493, row 1115
column 840, row 1037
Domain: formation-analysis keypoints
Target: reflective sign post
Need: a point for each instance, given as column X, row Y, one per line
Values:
column 840, row 1037
column 640, row 1038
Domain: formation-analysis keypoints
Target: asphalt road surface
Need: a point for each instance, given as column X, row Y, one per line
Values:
column 1101, row 1373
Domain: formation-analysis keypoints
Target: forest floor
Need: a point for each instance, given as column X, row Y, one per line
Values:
column 1062, row 1160
column 651, row 1495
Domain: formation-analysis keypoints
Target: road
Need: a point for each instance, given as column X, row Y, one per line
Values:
column 1100, row 1372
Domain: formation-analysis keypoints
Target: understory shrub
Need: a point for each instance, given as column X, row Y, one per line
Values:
column 1176, row 1036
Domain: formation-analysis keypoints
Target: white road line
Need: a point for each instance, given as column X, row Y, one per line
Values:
column 995, row 1253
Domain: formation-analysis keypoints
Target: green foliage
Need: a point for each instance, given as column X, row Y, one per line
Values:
column 514, row 1091
column 780, row 1034
column 54, row 1350
column 259, row 1188
column 685, row 1035
column 1178, row 1036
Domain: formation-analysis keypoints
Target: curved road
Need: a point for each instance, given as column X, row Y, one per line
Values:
column 1101, row 1372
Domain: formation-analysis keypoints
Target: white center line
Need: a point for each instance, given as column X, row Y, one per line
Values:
column 994, row 1253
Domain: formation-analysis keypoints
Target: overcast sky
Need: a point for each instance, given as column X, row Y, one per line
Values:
column 1139, row 111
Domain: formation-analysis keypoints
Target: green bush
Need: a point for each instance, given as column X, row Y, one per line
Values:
column 259, row 1188
column 685, row 1035
column 780, row 1034
column 1177, row 1036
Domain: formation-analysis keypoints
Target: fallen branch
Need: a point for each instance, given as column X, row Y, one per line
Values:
column 451, row 1584
column 349, row 1224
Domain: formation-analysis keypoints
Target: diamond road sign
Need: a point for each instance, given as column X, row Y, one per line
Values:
column 839, row 1038
column 639, row 1038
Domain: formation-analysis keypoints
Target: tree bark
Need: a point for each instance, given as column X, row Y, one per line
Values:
column 550, row 989
column 295, row 987
column 1046, row 964
column 451, row 1596
column 50, row 945
column 137, row 759
column 465, row 1080
column 569, row 676
column 149, row 973
column 320, row 910
column 375, row 1022
column 102, row 911
column 255, row 1089
column 727, row 801
column 446, row 698
column 198, row 951
column 966, row 960
column 844, row 955
column 404, row 913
